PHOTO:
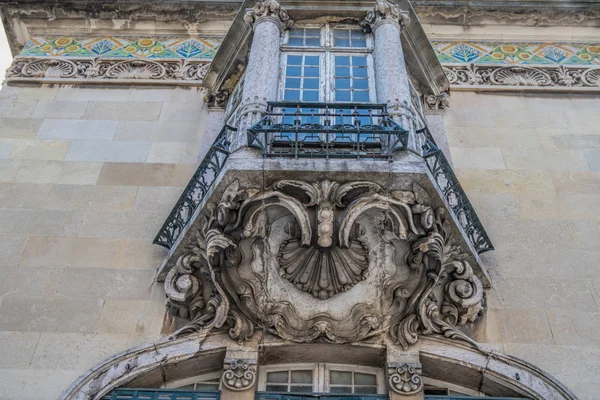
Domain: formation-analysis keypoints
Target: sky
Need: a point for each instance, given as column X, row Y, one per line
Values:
column 5, row 56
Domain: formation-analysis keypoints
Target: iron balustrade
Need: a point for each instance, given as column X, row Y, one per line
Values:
column 160, row 394
column 327, row 130
column 197, row 188
column 453, row 192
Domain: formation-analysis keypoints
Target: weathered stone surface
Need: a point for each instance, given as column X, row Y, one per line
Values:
column 172, row 153
column 19, row 384
column 75, row 351
column 17, row 109
column 122, row 224
column 593, row 158
column 6, row 146
column 140, row 174
column 20, row 128
column 477, row 158
column 505, row 181
column 95, row 283
column 157, row 131
column 70, row 252
column 547, row 159
column 91, row 197
column 561, row 207
column 131, row 317
column 92, row 94
column 38, row 93
column 166, row 94
column 461, row 136
column 585, row 234
column 9, row 169
column 40, row 222
column 49, row 315
column 23, row 195
column 60, row 172
column 17, row 349
column 33, row 283
column 123, row 111
column 76, row 129
column 574, row 326
column 59, row 109
column 576, row 182
column 160, row 198
column 106, row 150
column 180, row 112
column 11, row 248
column 29, row 149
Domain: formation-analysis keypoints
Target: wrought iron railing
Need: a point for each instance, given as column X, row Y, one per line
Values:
column 454, row 194
column 318, row 396
column 327, row 130
column 160, row 394
column 194, row 193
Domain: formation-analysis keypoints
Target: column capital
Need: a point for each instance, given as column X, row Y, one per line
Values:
column 385, row 12
column 268, row 10
column 405, row 378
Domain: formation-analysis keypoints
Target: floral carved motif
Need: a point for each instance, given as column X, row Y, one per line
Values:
column 383, row 12
column 86, row 69
column 239, row 376
column 523, row 76
column 268, row 9
column 405, row 379
column 304, row 261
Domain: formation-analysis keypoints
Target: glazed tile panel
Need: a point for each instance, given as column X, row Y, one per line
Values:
column 538, row 53
column 200, row 48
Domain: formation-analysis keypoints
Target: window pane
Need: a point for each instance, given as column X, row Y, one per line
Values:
column 292, row 95
column 341, row 33
column 342, row 72
column 359, row 72
column 340, row 377
column 313, row 32
column 311, row 83
column 361, row 97
column 313, row 42
column 365, row 379
column 293, row 71
column 301, row 389
column 207, row 386
column 310, row 95
column 356, row 33
column 342, row 60
column 311, row 60
column 276, row 388
column 341, row 42
column 311, row 71
column 359, row 42
column 292, row 83
column 365, row 390
column 361, row 84
column 341, row 389
column 302, row 376
column 359, row 61
column 295, row 41
column 342, row 95
column 277, row 377
column 294, row 60
column 296, row 32
column 341, row 84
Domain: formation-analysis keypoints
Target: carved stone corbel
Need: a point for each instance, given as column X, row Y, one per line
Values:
column 268, row 10
column 436, row 102
column 216, row 100
column 239, row 375
column 384, row 12
column 405, row 379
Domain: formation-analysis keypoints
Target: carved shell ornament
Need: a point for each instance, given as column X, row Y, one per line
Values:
column 334, row 261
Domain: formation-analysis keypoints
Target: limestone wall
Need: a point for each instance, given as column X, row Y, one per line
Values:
column 87, row 177
column 531, row 166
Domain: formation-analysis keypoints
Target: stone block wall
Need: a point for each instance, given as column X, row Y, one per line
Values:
column 87, row 177
column 531, row 166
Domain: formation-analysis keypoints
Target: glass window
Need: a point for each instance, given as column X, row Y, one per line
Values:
column 305, row 37
column 349, row 38
column 290, row 381
column 352, row 382
column 351, row 79
column 203, row 383
column 302, row 77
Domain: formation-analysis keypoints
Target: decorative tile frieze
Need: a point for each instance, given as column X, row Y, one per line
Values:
column 529, row 66
column 188, row 48
column 512, row 53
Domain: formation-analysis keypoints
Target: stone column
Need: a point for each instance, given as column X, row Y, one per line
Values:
column 268, row 20
column 391, row 78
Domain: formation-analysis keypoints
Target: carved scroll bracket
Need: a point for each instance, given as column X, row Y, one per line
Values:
column 405, row 379
column 239, row 375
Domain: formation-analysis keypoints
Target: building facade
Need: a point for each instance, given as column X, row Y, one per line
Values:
column 290, row 200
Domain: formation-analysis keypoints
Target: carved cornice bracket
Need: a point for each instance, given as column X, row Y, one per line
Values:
column 239, row 375
column 405, row 379
column 385, row 12
column 436, row 102
column 216, row 100
column 268, row 10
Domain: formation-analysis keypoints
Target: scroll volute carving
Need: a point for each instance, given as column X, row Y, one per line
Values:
column 325, row 260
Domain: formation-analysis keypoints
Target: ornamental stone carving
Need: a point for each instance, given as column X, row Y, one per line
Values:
column 436, row 102
column 239, row 376
column 89, row 70
column 333, row 261
column 268, row 10
column 384, row 12
column 524, row 76
column 405, row 379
